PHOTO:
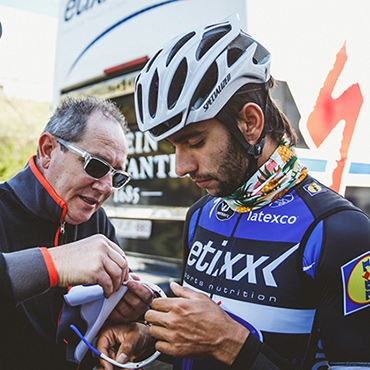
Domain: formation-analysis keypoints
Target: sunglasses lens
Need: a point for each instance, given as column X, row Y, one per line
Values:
column 96, row 168
column 120, row 179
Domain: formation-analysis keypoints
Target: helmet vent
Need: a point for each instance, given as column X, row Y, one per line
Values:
column 260, row 54
column 152, row 60
column 210, row 38
column 165, row 126
column 233, row 55
column 205, row 86
column 237, row 48
column 153, row 95
column 139, row 95
column 177, row 84
column 179, row 44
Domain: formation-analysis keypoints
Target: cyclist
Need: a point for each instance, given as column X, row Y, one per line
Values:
column 277, row 265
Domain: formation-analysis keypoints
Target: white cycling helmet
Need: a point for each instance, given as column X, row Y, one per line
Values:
column 195, row 75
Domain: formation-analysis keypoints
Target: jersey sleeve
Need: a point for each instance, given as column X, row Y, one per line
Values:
column 255, row 355
column 339, row 252
column 342, row 278
column 31, row 272
column 343, row 281
column 5, row 286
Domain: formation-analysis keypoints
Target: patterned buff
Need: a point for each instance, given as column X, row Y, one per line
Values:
column 271, row 181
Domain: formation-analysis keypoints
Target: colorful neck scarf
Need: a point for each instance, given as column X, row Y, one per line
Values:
column 271, row 181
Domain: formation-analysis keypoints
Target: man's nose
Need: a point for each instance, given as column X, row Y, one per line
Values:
column 104, row 184
column 185, row 163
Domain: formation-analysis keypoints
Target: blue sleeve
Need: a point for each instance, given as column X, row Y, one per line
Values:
column 337, row 256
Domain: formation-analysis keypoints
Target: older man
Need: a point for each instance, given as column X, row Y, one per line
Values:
column 57, row 200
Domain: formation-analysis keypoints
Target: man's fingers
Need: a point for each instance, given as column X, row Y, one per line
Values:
column 181, row 291
column 123, row 312
column 133, row 339
column 105, row 281
column 166, row 304
column 155, row 317
column 165, row 347
column 105, row 346
column 115, row 268
column 117, row 248
column 106, row 365
column 115, row 273
column 92, row 260
column 159, row 332
column 140, row 290
column 134, row 276
column 117, row 255
column 108, row 275
column 136, row 301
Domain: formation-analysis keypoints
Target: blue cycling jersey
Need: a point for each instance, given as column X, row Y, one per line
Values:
column 284, row 271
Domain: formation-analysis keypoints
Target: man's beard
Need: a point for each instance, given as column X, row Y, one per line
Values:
column 234, row 170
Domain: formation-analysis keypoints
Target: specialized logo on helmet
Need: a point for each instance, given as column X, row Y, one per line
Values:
column 356, row 278
column 224, row 212
column 217, row 92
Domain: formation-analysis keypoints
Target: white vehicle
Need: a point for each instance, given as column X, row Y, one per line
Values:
column 322, row 88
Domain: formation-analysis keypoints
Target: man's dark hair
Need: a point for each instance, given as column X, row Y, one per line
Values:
column 276, row 123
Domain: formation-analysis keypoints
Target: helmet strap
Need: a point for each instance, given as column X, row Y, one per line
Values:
column 255, row 150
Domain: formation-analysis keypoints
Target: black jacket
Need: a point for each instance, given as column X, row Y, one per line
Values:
column 31, row 215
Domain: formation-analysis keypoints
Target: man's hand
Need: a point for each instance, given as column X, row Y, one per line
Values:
column 194, row 326
column 93, row 260
column 134, row 303
column 133, row 340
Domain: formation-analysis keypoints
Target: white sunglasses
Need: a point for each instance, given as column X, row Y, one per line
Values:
column 97, row 167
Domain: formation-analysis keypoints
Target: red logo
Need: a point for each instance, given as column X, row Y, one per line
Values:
column 328, row 112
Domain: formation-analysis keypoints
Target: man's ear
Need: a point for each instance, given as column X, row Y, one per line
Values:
column 250, row 122
column 47, row 143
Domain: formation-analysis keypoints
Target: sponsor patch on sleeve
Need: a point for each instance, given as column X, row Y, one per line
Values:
column 356, row 284
column 314, row 188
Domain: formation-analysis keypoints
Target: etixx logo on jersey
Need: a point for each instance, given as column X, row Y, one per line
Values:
column 356, row 284
column 224, row 212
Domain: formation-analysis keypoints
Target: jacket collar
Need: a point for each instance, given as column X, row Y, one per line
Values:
column 36, row 193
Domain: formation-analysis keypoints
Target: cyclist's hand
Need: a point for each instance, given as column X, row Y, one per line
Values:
column 193, row 326
column 134, row 303
column 131, row 340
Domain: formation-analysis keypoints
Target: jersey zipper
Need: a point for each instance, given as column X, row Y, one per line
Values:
column 61, row 234
column 228, row 244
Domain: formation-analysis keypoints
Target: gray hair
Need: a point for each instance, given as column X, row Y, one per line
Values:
column 69, row 120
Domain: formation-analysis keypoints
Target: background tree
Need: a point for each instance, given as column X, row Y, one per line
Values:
column 21, row 122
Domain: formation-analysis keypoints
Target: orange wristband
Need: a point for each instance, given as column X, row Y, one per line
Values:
column 53, row 276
